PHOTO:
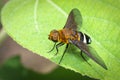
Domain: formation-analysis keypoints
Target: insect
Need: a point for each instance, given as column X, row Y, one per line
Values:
column 70, row 35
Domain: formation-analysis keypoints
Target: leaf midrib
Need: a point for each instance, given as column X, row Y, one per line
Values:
column 35, row 16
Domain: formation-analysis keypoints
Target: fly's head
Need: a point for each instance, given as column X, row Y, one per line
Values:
column 54, row 35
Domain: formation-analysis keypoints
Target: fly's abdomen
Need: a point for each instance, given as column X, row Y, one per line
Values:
column 84, row 38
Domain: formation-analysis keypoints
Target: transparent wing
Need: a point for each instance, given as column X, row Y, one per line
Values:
column 74, row 19
column 89, row 51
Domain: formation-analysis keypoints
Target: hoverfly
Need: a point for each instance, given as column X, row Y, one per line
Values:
column 69, row 35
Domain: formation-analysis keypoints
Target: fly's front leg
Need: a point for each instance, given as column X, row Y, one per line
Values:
column 52, row 48
column 57, row 46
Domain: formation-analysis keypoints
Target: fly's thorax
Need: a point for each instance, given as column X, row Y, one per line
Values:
column 75, row 35
column 84, row 38
column 64, row 35
column 54, row 35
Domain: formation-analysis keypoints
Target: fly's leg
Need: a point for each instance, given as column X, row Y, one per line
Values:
column 84, row 57
column 52, row 48
column 64, row 53
column 57, row 46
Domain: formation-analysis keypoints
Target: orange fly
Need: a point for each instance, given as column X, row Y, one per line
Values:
column 69, row 35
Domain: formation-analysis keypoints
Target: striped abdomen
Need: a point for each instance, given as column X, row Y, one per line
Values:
column 84, row 38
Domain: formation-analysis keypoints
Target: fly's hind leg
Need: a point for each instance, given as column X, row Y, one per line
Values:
column 57, row 46
column 84, row 57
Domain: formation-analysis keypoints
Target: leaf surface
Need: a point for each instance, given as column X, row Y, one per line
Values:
column 29, row 22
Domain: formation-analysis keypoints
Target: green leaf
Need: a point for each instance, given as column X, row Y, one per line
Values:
column 12, row 69
column 29, row 22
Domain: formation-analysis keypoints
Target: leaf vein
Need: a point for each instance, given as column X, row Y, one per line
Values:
column 35, row 16
column 57, row 7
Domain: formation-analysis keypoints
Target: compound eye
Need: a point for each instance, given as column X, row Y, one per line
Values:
column 55, row 37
